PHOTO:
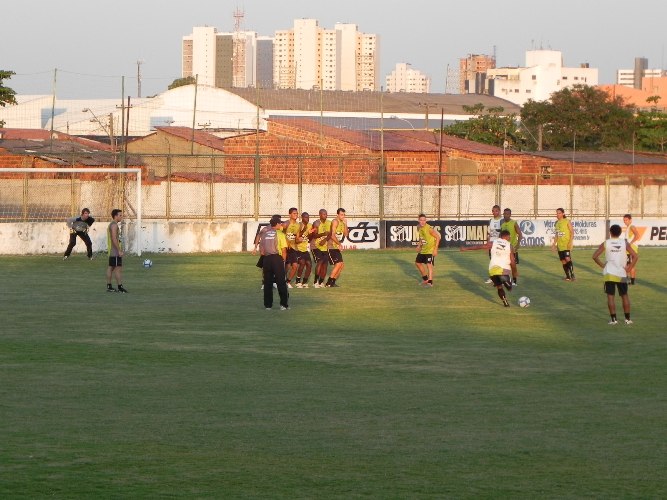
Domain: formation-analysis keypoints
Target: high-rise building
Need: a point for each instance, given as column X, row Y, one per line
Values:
column 633, row 77
column 309, row 56
column 472, row 73
column 405, row 79
column 222, row 59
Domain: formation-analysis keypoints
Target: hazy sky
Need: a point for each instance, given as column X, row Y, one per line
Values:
column 94, row 43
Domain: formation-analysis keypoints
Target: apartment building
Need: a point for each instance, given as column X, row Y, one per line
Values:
column 632, row 78
column 222, row 60
column 543, row 75
column 311, row 57
column 405, row 79
column 472, row 73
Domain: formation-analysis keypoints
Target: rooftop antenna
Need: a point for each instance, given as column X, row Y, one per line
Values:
column 139, row 63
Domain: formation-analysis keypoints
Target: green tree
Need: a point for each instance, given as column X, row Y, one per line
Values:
column 7, row 95
column 180, row 82
column 651, row 129
column 583, row 117
column 488, row 125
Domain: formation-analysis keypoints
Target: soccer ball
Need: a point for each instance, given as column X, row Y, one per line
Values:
column 148, row 263
column 524, row 302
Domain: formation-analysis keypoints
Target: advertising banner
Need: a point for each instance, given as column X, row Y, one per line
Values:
column 454, row 233
column 540, row 232
column 363, row 234
column 652, row 232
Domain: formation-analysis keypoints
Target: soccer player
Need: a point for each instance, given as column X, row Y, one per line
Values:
column 632, row 235
column 291, row 232
column 338, row 233
column 494, row 230
column 273, row 246
column 81, row 233
column 321, row 248
column 304, row 261
column 427, row 249
column 115, row 251
column 615, row 270
column 562, row 241
column 515, row 240
column 502, row 265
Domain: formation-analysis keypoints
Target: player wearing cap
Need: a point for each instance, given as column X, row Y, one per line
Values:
column 273, row 246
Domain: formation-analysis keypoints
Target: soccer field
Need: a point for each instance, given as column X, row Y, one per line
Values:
column 187, row 387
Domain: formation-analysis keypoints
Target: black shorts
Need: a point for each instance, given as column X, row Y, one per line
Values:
column 260, row 262
column 498, row 279
column 303, row 256
column 335, row 256
column 611, row 286
column 115, row 262
column 320, row 256
column 291, row 257
column 563, row 254
column 425, row 258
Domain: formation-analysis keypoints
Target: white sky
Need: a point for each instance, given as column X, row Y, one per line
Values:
column 94, row 43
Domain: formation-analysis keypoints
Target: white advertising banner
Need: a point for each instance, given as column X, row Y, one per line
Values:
column 652, row 232
column 540, row 232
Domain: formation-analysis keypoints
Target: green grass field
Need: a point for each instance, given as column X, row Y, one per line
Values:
column 187, row 387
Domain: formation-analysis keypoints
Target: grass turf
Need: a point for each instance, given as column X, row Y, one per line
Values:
column 187, row 387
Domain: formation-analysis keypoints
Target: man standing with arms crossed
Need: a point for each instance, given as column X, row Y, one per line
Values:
column 273, row 246
column 632, row 235
column 427, row 249
column 339, row 232
column 115, row 251
column 615, row 269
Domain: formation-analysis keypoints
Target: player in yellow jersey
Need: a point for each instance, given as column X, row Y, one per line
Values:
column 321, row 239
column 304, row 261
column 338, row 233
column 291, row 231
column 563, row 241
column 427, row 249
column 632, row 235
column 615, row 270
column 515, row 240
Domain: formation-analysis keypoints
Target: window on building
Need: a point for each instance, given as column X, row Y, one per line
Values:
column 534, row 77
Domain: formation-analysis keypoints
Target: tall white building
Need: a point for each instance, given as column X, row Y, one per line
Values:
column 309, row 56
column 543, row 75
column 220, row 59
column 405, row 79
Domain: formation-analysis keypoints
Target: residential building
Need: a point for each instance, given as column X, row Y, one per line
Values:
column 472, row 73
column 633, row 77
column 222, row 60
column 311, row 57
column 543, row 75
column 405, row 79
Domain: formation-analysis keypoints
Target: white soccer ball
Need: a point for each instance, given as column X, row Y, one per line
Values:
column 148, row 263
column 524, row 302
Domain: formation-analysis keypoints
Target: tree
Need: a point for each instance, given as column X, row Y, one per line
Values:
column 7, row 95
column 651, row 130
column 583, row 117
column 180, row 82
column 488, row 126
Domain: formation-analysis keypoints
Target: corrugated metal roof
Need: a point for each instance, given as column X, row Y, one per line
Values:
column 400, row 102
column 608, row 157
column 200, row 137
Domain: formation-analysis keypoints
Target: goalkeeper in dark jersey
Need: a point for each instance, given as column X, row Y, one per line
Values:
column 78, row 226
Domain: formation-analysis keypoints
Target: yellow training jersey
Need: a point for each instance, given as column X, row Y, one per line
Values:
column 427, row 239
column 340, row 233
column 563, row 234
column 510, row 226
column 304, row 231
column 290, row 234
column 321, row 242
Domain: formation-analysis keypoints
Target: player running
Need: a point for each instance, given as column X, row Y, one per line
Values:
column 502, row 265
column 427, row 249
